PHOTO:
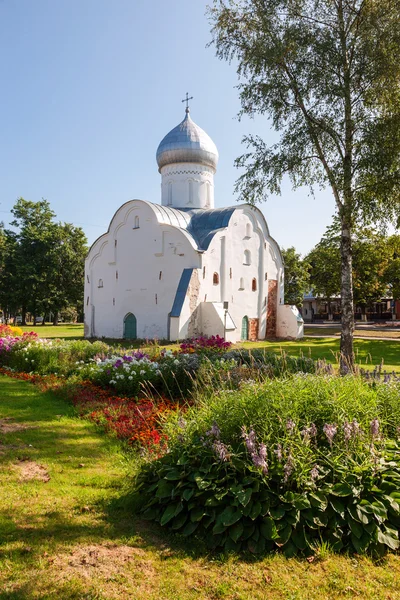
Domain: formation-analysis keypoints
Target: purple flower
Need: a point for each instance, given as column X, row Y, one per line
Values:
column 374, row 428
column 309, row 432
column 288, row 467
column 249, row 439
column 278, row 452
column 221, row 451
column 214, row 431
column 330, row 430
column 290, row 425
column 314, row 473
column 258, row 454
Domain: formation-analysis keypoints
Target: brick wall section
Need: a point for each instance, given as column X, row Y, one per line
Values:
column 253, row 330
column 272, row 308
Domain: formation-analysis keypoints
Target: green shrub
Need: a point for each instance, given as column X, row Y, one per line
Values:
column 285, row 464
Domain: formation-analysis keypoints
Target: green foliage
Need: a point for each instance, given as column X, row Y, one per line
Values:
column 43, row 261
column 297, row 277
column 257, row 469
column 326, row 74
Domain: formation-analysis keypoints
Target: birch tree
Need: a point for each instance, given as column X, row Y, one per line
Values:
column 327, row 74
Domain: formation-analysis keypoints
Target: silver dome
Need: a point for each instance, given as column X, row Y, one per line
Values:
column 187, row 142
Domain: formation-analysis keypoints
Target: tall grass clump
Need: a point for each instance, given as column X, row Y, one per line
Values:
column 285, row 463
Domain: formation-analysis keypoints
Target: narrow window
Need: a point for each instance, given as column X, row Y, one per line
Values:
column 100, row 283
column 230, row 273
column 116, row 274
column 215, row 279
column 204, row 272
column 266, row 276
column 265, row 245
column 208, row 195
column 241, row 284
column 190, row 192
column 169, row 199
column 113, row 301
column 87, row 277
column 205, row 298
column 247, row 257
column 254, row 285
column 115, row 243
column 265, row 301
column 136, row 223
column 87, row 301
column 248, row 230
column 156, row 298
column 160, row 275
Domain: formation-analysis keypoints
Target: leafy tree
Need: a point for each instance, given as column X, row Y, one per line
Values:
column 391, row 274
column 324, row 260
column 44, row 265
column 327, row 73
column 297, row 277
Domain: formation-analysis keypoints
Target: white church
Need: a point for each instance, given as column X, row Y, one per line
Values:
column 183, row 268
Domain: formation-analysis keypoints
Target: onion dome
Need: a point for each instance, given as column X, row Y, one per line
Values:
column 187, row 143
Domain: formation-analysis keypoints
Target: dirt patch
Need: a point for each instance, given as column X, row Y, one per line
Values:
column 31, row 470
column 7, row 426
column 107, row 560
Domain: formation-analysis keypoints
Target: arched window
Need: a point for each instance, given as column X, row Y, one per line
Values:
column 100, row 283
column 248, row 230
column 254, row 285
column 136, row 222
column 169, row 198
column 247, row 257
column 215, row 279
column 241, row 284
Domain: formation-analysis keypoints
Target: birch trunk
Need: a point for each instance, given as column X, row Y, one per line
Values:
column 346, row 340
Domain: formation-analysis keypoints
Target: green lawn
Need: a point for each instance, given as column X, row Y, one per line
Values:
column 368, row 352
column 64, row 330
column 75, row 537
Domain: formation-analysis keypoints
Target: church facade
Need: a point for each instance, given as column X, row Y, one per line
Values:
column 183, row 268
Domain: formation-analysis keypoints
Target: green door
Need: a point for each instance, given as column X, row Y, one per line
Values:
column 130, row 327
column 245, row 328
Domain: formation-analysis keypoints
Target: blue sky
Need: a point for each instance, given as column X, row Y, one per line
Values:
column 89, row 89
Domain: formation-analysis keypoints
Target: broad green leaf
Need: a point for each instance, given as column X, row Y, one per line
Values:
column 284, row 535
column 319, row 500
column 255, row 510
column 179, row 521
column 341, row 489
column 219, row 527
column 244, row 496
column 232, row 518
column 164, row 489
column 388, row 540
column 277, row 512
column 168, row 514
column 197, row 513
column 187, row 494
column 356, row 528
column 231, row 546
column 268, row 529
column 236, row 531
column 290, row 549
column 151, row 513
column 298, row 538
column 190, row 528
column 337, row 506
column 173, row 475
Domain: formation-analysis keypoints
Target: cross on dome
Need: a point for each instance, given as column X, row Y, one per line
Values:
column 187, row 101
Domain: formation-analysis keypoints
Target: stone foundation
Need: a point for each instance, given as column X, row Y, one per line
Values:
column 253, row 330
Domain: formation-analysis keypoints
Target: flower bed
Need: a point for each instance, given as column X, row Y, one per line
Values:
column 283, row 465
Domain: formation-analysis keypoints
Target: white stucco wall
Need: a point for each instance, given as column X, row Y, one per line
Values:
column 187, row 185
column 289, row 323
column 140, row 268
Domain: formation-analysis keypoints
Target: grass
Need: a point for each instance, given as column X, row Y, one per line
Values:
column 368, row 352
column 64, row 330
column 75, row 536
column 359, row 333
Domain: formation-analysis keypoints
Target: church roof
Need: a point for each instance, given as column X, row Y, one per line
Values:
column 204, row 224
column 187, row 142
